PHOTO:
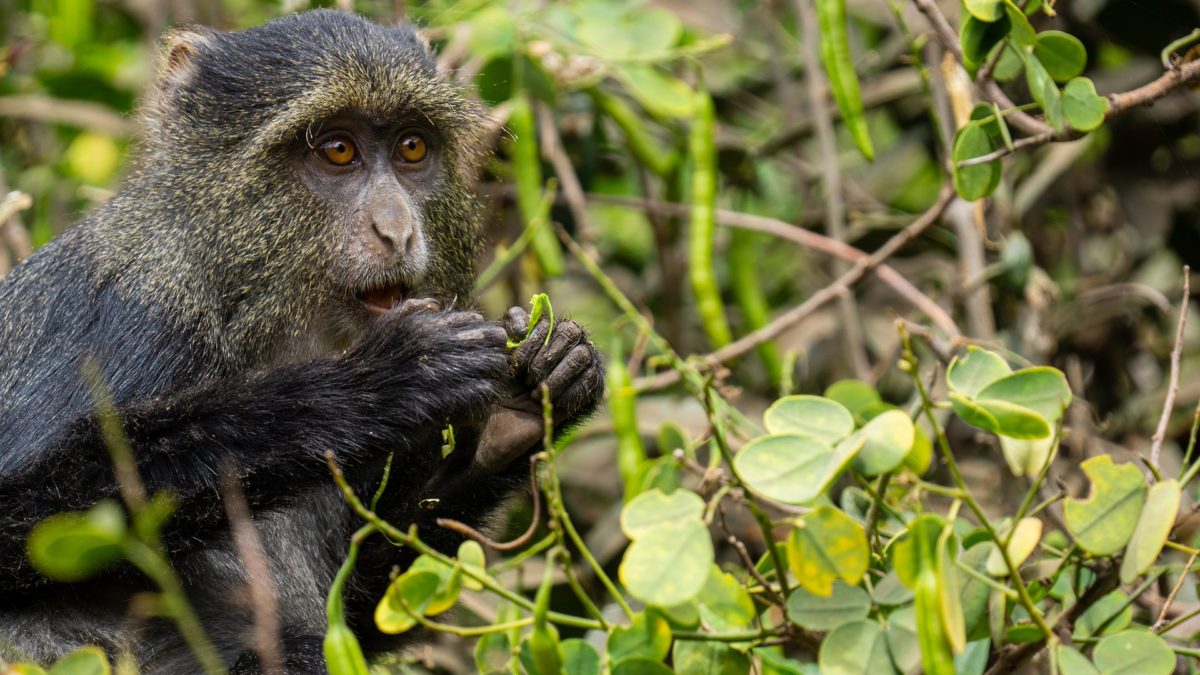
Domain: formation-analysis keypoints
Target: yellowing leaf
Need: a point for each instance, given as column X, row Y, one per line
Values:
column 1023, row 541
column 1153, row 526
column 1104, row 522
column 825, row 545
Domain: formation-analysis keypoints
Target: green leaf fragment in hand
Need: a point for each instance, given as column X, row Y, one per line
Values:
column 538, row 305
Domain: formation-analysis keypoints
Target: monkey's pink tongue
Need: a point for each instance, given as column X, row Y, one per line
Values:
column 380, row 300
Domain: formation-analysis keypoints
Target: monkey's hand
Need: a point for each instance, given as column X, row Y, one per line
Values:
column 460, row 359
column 569, row 367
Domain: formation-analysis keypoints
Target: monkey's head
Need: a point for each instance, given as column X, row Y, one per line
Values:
column 324, row 163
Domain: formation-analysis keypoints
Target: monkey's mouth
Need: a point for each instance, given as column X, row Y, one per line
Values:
column 379, row 300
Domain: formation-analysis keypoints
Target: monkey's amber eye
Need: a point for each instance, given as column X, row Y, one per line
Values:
column 338, row 150
column 412, row 148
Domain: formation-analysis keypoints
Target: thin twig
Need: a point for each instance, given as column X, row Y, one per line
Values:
column 809, row 239
column 572, row 189
column 84, row 114
column 842, row 284
column 1160, row 434
column 1166, row 608
column 260, row 582
column 468, row 531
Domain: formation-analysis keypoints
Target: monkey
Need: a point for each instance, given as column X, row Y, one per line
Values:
column 283, row 272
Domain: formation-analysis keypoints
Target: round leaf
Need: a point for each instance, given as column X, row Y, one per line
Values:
column 789, row 468
column 652, row 509
column 1083, row 108
column 903, row 641
column 1134, row 653
column 979, row 37
column 82, row 661
column 814, row 612
column 1111, row 611
column 1071, row 662
column 1026, row 456
column 985, row 10
column 1040, row 389
column 888, row 438
column 1061, row 54
column 1023, row 541
column 708, row 657
column 724, row 603
column 855, row 395
column 641, row 666
column 825, row 545
column 578, row 657
column 471, row 555
column 670, row 566
column 979, row 368
column 409, row 592
column 977, row 181
column 825, row 420
column 660, row 94
column 857, row 648
column 647, row 636
column 1104, row 522
column 1153, row 526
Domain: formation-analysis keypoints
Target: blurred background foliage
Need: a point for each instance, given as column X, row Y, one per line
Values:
column 1074, row 261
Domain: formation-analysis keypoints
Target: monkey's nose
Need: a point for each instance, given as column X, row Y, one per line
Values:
column 397, row 239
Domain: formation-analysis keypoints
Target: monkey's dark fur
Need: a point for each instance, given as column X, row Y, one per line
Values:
column 220, row 292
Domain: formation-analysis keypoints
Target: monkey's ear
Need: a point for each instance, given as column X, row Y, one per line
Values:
column 179, row 50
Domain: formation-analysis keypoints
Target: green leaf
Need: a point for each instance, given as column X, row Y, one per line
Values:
column 1104, row 522
column 1083, row 108
column 891, row 592
column 493, row 652
column 724, row 603
column 822, row 614
column 662, row 95
column 788, row 468
column 616, row 33
column 979, row 180
column 825, row 545
column 343, row 654
column 409, row 592
column 973, row 593
column 1153, row 526
column 493, row 33
column 948, row 588
column 1021, row 31
column 1111, row 611
column 672, row 437
column 1134, row 653
column 856, row 648
column 1041, row 389
column 1061, row 54
column 1024, row 541
column 449, row 583
column 855, row 395
column 820, row 418
column 707, row 657
column 902, row 640
column 1071, row 662
column 648, row 636
column 916, row 549
column 1000, row 417
column 83, row 661
column 985, row 10
column 654, row 509
column 471, row 555
column 74, row 546
column 979, row 37
column 539, row 652
column 1009, row 65
column 974, row 658
column 1044, row 90
column 979, row 368
column 1026, row 456
column 578, row 657
column 888, row 438
column 670, row 564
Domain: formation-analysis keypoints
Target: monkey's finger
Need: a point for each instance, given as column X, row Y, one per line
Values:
column 413, row 305
column 581, row 396
column 524, row 355
column 567, row 334
column 567, row 370
column 516, row 322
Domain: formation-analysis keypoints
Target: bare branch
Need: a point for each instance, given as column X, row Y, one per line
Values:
column 1160, row 434
column 83, row 114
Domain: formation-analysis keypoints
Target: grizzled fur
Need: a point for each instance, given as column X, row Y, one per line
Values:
column 207, row 290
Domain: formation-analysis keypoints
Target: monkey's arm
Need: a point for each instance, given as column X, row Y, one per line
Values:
column 274, row 427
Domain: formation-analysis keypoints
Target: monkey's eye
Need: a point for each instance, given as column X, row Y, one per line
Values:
column 412, row 148
column 339, row 150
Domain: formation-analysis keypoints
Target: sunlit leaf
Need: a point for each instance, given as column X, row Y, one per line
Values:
column 82, row 661
column 825, row 420
column 821, row 613
column 654, row 508
column 789, row 467
column 708, row 657
column 724, row 602
column 669, row 564
column 1134, row 653
column 1083, row 108
column 1153, row 526
column 662, row 95
column 1024, row 541
column 1103, row 522
column 74, row 546
column 979, row 368
column 825, row 545
column 410, row 592
column 855, row 395
column 471, row 555
column 985, row 10
column 856, row 648
column 647, row 636
column 887, row 441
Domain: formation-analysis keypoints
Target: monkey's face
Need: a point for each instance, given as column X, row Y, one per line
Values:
column 373, row 177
